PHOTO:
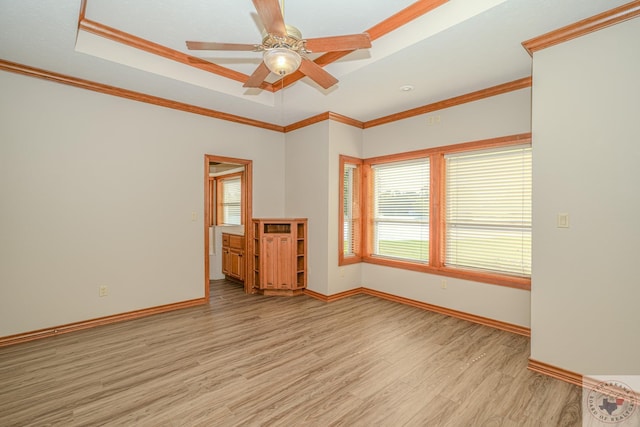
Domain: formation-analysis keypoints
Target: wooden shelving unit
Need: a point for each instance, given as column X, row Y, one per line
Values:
column 279, row 256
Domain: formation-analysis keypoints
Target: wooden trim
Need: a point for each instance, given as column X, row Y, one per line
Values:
column 345, row 120
column 436, row 209
column 583, row 27
column 555, row 372
column 334, row 297
column 159, row 50
column 219, row 193
column 162, row 102
column 328, row 115
column 77, row 326
column 129, row 94
column 357, row 209
column 497, row 324
column 452, row 102
column 390, row 24
column 403, row 17
column 571, row 377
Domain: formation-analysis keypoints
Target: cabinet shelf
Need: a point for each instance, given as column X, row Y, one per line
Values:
column 280, row 261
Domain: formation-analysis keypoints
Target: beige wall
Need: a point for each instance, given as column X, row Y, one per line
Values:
column 99, row 190
column 306, row 195
column 585, row 311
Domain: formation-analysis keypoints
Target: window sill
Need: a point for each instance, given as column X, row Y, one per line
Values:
column 490, row 278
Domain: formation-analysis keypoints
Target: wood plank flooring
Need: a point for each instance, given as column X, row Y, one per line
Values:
column 256, row 360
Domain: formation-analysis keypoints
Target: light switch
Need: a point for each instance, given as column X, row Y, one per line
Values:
column 563, row 220
column 194, row 216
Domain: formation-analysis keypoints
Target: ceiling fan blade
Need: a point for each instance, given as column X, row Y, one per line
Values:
column 219, row 46
column 331, row 44
column 317, row 73
column 258, row 76
column 271, row 16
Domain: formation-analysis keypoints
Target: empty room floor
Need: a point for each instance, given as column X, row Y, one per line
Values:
column 256, row 360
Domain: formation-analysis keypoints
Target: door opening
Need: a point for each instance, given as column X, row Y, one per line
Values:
column 217, row 213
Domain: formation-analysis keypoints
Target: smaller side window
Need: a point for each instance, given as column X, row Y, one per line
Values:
column 349, row 240
column 229, row 200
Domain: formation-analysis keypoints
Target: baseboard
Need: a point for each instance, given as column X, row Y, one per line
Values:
column 555, row 372
column 570, row 377
column 333, row 297
column 92, row 323
column 497, row 324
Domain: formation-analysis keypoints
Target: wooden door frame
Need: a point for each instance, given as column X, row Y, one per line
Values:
column 247, row 214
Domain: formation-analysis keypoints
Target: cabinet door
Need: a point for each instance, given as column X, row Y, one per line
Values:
column 226, row 261
column 284, row 263
column 236, row 266
column 276, row 262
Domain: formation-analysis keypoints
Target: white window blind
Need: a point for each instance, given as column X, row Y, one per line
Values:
column 349, row 183
column 231, row 201
column 488, row 210
column 401, row 210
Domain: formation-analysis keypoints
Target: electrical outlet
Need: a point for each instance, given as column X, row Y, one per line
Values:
column 103, row 290
column 443, row 283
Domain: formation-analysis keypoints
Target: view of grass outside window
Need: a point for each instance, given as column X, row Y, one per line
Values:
column 488, row 210
column 401, row 210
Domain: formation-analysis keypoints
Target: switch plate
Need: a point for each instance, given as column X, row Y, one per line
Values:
column 103, row 290
column 563, row 220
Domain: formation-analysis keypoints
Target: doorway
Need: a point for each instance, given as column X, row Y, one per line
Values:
column 240, row 167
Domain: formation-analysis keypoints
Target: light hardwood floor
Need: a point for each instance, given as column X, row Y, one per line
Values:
column 256, row 360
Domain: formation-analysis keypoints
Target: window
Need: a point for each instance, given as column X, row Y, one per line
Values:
column 350, row 210
column 401, row 210
column 462, row 210
column 488, row 210
column 229, row 200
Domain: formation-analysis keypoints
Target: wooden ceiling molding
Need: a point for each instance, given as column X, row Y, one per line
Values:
column 451, row 102
column 322, row 117
column 586, row 26
column 129, row 94
column 401, row 18
column 396, row 21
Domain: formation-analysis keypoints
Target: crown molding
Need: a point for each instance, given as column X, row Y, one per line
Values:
column 163, row 102
column 129, row 94
column 585, row 26
column 452, row 102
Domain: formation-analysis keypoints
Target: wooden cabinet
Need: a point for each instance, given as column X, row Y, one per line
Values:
column 233, row 256
column 279, row 256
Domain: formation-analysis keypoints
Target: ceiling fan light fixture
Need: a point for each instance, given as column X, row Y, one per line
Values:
column 282, row 61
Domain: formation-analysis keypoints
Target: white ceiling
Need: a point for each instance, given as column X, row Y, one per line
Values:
column 460, row 47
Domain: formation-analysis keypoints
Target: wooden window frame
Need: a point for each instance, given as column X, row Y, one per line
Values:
column 356, row 209
column 218, row 182
column 437, row 213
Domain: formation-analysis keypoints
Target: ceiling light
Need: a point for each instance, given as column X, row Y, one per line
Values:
column 282, row 61
column 406, row 88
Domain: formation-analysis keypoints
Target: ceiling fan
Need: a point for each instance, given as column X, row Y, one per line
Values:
column 284, row 48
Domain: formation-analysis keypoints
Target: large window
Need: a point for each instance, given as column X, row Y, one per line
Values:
column 462, row 210
column 488, row 210
column 401, row 210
